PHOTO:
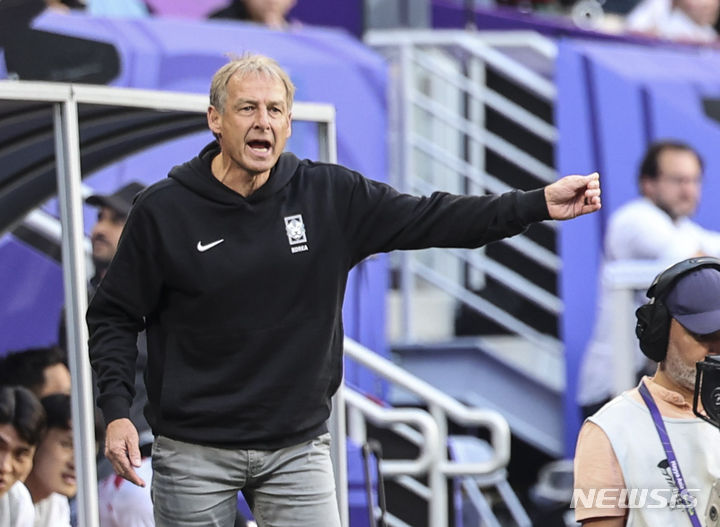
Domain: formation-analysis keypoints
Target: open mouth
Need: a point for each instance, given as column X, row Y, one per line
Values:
column 259, row 145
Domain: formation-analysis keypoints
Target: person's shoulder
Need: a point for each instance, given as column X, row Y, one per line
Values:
column 324, row 167
column 617, row 407
column 323, row 172
column 20, row 501
column 54, row 506
column 637, row 215
column 157, row 198
column 160, row 190
column 56, row 511
column 61, row 503
column 637, row 206
column 19, row 492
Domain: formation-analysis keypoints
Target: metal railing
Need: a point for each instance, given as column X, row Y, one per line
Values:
column 441, row 140
column 623, row 280
column 433, row 460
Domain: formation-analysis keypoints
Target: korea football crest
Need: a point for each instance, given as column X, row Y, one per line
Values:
column 295, row 230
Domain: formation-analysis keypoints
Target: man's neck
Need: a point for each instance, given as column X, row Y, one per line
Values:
column 38, row 491
column 665, row 381
column 100, row 270
column 241, row 181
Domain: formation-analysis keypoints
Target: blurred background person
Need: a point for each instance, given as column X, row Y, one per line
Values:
column 52, row 480
column 271, row 13
column 681, row 20
column 113, row 210
column 121, row 504
column 22, row 425
column 43, row 371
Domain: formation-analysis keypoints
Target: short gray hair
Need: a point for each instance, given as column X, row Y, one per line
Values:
column 243, row 66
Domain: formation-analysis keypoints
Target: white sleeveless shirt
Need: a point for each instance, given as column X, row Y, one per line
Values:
column 635, row 441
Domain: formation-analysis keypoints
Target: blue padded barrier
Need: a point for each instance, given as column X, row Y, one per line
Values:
column 32, row 297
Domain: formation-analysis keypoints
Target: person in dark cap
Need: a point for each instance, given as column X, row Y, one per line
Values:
column 113, row 210
column 645, row 458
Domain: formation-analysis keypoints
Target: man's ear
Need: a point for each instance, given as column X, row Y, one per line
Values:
column 647, row 187
column 289, row 133
column 214, row 119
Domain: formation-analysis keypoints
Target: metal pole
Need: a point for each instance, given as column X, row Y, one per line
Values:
column 477, row 73
column 338, row 453
column 437, row 481
column 67, row 152
column 407, row 281
column 338, row 447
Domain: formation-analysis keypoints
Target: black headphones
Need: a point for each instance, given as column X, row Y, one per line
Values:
column 653, row 318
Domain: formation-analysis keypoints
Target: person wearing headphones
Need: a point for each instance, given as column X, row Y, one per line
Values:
column 645, row 458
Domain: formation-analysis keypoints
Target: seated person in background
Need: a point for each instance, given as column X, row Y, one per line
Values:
column 680, row 20
column 52, row 479
column 648, row 440
column 122, row 504
column 44, row 371
column 113, row 210
column 272, row 13
column 22, row 424
column 654, row 227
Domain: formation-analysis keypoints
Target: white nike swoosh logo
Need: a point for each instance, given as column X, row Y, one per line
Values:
column 202, row 248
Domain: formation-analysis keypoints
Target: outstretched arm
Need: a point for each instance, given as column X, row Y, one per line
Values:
column 573, row 196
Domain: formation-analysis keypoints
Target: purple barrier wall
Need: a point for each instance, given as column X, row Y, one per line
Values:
column 32, row 296
column 612, row 100
column 326, row 65
column 347, row 14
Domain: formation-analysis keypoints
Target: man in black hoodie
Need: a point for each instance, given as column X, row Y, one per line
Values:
column 236, row 266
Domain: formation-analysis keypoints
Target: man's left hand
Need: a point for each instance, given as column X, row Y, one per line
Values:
column 573, row 196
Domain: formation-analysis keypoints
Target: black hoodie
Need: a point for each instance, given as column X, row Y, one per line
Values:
column 242, row 297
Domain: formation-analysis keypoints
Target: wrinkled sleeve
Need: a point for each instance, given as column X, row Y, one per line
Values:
column 128, row 292
column 381, row 219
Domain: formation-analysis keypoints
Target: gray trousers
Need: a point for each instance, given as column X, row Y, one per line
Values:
column 195, row 485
